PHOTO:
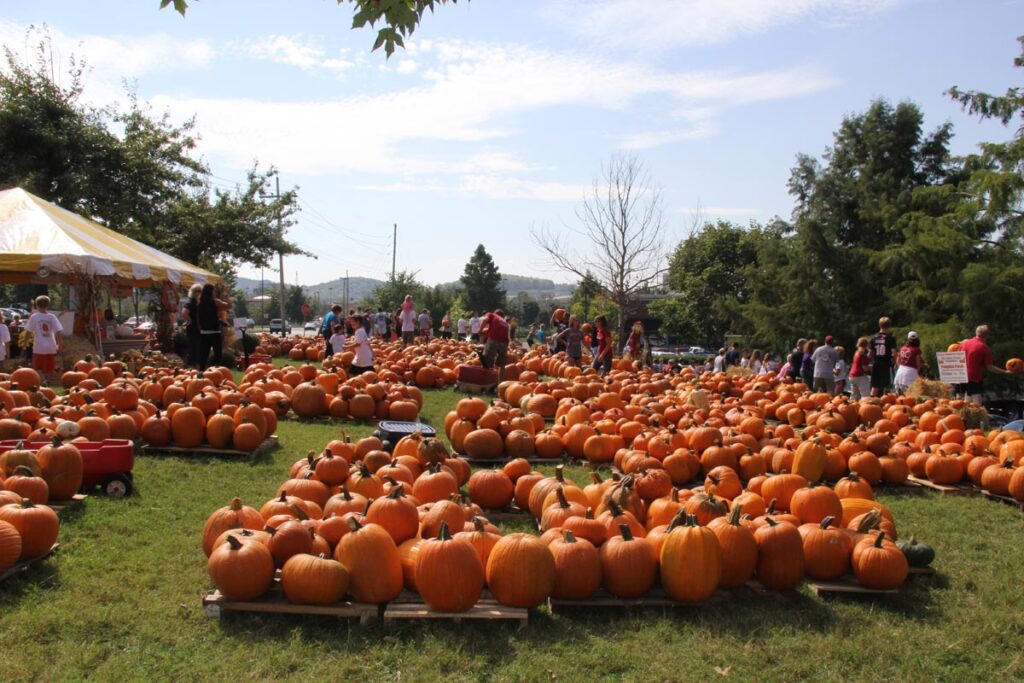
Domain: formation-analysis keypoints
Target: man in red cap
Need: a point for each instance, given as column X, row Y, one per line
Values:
column 979, row 361
column 825, row 359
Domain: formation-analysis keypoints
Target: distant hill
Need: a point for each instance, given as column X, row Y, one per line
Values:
column 364, row 287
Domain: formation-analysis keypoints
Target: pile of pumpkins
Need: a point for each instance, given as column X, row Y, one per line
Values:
column 802, row 530
column 158, row 406
column 28, row 481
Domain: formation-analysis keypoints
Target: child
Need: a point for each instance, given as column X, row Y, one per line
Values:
column 5, row 339
column 45, row 329
column 407, row 303
column 338, row 339
column 842, row 371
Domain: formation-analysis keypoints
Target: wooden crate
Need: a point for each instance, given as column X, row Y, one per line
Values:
column 512, row 513
column 410, row 605
column 946, row 489
column 215, row 604
column 25, row 564
column 500, row 462
column 469, row 388
column 655, row 598
column 921, row 571
column 268, row 444
column 1008, row 500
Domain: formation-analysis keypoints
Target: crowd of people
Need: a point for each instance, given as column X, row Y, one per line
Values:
column 878, row 364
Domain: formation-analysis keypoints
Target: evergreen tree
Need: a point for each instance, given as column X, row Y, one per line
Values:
column 482, row 283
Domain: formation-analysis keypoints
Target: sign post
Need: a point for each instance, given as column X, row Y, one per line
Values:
column 952, row 367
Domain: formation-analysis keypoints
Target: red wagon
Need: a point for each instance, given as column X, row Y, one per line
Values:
column 107, row 464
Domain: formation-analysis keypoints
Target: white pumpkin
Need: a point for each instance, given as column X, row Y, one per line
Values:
column 67, row 429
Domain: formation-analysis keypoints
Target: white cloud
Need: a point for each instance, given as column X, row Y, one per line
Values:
column 666, row 23
column 304, row 52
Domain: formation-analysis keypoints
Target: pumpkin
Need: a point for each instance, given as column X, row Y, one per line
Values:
column 781, row 488
column 520, row 571
column 918, row 554
column 374, row 565
column 879, row 563
column 780, row 561
column 309, row 400
column 232, row 516
column 188, row 427
column 396, row 514
column 628, row 565
column 577, row 567
column 441, row 511
column 852, row 486
column 314, row 580
column 434, row 485
column 483, row 444
column 827, row 549
column 24, row 484
column 449, row 574
column 37, row 524
column 738, row 549
column 809, row 460
column 155, row 430
column 289, row 538
column 491, row 489
column 691, row 560
column 10, row 546
column 481, row 538
column 815, row 503
column 18, row 457
column 241, row 571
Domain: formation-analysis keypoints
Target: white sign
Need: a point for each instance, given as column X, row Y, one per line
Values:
column 241, row 322
column 952, row 367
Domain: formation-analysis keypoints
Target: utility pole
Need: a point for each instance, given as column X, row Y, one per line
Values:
column 394, row 251
column 280, row 254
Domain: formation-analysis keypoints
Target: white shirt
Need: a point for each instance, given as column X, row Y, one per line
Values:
column 364, row 354
column 474, row 325
column 338, row 341
column 5, row 339
column 408, row 321
column 757, row 367
column 44, row 327
column 719, row 360
column 462, row 326
column 426, row 322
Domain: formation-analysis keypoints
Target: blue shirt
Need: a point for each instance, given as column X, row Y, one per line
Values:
column 327, row 328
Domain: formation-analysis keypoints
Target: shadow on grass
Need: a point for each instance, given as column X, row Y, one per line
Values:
column 43, row 575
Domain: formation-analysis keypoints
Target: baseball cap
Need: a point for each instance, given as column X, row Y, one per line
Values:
column 828, row 339
column 911, row 335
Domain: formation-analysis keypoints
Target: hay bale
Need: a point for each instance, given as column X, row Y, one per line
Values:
column 737, row 371
column 924, row 389
column 975, row 417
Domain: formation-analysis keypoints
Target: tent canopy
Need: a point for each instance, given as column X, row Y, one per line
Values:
column 41, row 241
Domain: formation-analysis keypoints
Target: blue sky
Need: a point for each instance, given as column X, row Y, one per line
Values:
column 501, row 112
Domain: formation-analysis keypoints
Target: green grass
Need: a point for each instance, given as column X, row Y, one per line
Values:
column 121, row 601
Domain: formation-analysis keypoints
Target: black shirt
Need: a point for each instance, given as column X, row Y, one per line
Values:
column 882, row 346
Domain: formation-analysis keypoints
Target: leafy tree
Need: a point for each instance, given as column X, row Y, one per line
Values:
column 294, row 298
column 131, row 171
column 708, row 271
column 399, row 17
column 390, row 295
column 524, row 308
column 584, row 295
column 482, row 282
column 240, row 308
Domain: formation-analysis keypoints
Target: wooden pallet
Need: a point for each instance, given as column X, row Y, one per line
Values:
column 500, row 462
column 847, row 585
column 1008, row 500
column 655, row 598
column 215, row 604
column 921, row 571
column 469, row 388
column 411, row 606
column 268, row 444
column 59, row 505
column 945, row 489
column 25, row 564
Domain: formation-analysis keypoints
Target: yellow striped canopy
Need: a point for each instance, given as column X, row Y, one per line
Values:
column 40, row 241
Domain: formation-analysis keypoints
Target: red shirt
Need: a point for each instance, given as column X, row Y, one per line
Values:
column 497, row 328
column 604, row 341
column 861, row 364
column 979, row 357
column 908, row 356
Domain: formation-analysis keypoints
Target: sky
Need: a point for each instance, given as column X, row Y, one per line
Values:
column 499, row 116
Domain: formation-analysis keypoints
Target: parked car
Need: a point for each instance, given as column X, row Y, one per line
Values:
column 699, row 351
column 276, row 328
column 141, row 323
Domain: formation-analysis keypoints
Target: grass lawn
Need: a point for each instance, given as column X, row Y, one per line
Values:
column 121, row 601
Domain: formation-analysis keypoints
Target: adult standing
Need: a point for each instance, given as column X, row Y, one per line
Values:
column 755, row 362
column 45, row 328
column 603, row 356
column 426, row 325
column 979, row 361
column 883, row 357
column 909, row 362
column 382, row 323
column 732, row 356
column 462, row 327
column 190, row 314
column 806, row 364
column 331, row 320
column 495, row 330
column 407, row 319
column 210, row 333
column 446, row 327
column 5, row 340
column 718, row 365
column 825, row 359
column 860, row 370
column 474, row 328
column 360, row 345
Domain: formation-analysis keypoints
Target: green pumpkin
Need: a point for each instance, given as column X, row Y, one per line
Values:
column 918, row 554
